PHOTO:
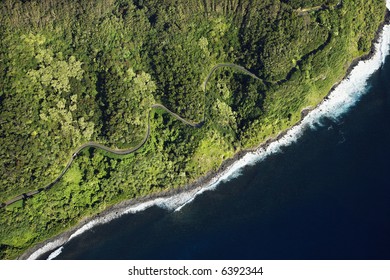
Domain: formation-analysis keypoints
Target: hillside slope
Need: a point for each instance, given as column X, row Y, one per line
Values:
column 76, row 72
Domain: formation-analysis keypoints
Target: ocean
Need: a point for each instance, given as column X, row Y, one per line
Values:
column 323, row 192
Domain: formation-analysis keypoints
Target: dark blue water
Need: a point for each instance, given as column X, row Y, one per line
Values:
column 325, row 197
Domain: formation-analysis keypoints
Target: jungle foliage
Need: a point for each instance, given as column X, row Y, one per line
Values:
column 78, row 71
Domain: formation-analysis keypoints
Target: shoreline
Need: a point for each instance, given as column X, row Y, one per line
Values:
column 177, row 198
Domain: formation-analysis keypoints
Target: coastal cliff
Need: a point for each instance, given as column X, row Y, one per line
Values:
column 92, row 71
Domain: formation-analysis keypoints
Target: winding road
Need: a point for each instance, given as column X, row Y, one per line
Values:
column 134, row 149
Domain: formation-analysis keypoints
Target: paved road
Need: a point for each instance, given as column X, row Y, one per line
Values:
column 134, row 149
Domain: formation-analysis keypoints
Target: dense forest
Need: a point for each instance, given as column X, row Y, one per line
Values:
column 79, row 71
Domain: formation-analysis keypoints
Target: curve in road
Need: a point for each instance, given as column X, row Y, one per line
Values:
column 134, row 149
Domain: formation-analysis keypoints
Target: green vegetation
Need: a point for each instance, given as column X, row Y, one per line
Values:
column 78, row 71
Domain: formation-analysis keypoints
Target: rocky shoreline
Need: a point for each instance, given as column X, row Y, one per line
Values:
column 210, row 178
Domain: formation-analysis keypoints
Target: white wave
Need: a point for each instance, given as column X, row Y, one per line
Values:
column 56, row 253
column 86, row 227
column 48, row 247
column 345, row 95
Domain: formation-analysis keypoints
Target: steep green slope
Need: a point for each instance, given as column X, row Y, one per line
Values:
column 73, row 72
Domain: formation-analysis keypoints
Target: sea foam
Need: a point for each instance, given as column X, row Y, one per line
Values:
column 339, row 101
column 46, row 248
column 56, row 253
